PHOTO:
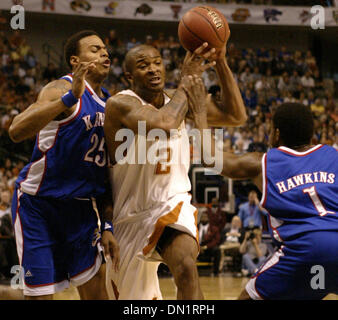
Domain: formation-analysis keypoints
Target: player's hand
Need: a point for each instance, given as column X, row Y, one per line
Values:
column 197, row 97
column 219, row 54
column 111, row 248
column 79, row 75
column 194, row 62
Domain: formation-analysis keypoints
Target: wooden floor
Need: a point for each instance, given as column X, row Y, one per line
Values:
column 224, row 287
column 214, row 288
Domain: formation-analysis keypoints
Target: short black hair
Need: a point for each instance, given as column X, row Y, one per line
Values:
column 128, row 60
column 295, row 124
column 71, row 47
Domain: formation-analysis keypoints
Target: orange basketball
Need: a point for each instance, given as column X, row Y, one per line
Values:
column 203, row 24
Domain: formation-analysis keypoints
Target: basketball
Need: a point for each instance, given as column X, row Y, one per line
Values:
column 203, row 24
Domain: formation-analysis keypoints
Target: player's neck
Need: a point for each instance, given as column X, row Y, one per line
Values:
column 96, row 86
column 154, row 98
column 302, row 148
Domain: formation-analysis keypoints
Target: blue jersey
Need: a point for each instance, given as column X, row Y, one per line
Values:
column 300, row 191
column 69, row 157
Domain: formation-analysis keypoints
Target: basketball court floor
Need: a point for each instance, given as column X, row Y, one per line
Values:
column 223, row 287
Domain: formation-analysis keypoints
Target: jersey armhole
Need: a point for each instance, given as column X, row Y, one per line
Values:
column 264, row 181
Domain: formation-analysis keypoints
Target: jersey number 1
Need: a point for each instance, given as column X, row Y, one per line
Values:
column 316, row 201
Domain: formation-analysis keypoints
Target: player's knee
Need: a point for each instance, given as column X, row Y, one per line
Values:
column 186, row 271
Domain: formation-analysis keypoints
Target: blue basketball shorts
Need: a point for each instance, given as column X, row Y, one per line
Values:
column 58, row 242
column 302, row 269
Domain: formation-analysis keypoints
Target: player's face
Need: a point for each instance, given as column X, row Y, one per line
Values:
column 92, row 48
column 148, row 70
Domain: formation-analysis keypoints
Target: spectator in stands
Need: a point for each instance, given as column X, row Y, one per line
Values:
column 160, row 43
column 317, row 108
column 210, row 237
column 307, row 81
column 284, row 83
column 254, row 252
column 149, row 40
column 246, row 76
column 295, row 81
column 250, row 99
column 132, row 43
column 257, row 145
column 112, row 41
column 231, row 238
column 210, row 79
column 5, row 202
column 239, row 146
column 250, row 212
column 116, row 68
column 8, row 256
column 216, row 216
column 173, row 44
column 50, row 72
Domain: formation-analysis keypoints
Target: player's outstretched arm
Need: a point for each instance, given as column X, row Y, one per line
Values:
column 247, row 166
column 230, row 109
column 49, row 105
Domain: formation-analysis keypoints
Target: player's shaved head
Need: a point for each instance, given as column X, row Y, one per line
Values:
column 295, row 124
column 134, row 53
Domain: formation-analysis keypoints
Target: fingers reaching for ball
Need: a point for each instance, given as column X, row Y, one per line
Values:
column 197, row 96
column 203, row 52
column 195, row 63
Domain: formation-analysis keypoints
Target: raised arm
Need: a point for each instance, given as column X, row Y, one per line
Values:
column 49, row 105
column 247, row 166
column 230, row 109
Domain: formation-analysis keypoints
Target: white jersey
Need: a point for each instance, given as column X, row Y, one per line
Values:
column 140, row 187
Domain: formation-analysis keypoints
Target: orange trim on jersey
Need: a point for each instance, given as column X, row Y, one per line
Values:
column 197, row 233
column 161, row 223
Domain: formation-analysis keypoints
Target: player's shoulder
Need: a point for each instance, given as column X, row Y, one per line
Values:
column 122, row 102
column 54, row 89
column 58, row 84
column 169, row 92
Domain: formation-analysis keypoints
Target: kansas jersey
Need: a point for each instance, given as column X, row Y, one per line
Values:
column 300, row 191
column 69, row 156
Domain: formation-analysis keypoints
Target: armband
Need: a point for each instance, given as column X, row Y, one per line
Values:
column 107, row 226
column 69, row 99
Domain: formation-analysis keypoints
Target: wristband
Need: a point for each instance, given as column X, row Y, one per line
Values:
column 69, row 99
column 107, row 226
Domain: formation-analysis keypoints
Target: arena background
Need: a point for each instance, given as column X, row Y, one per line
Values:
column 46, row 31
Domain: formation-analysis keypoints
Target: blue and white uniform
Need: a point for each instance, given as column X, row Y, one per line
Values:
column 300, row 193
column 53, row 209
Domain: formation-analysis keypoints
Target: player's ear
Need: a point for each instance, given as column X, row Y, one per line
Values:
column 277, row 137
column 128, row 76
column 74, row 61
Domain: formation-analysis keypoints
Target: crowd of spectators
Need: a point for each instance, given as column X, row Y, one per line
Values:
column 266, row 77
column 240, row 239
column 305, row 3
